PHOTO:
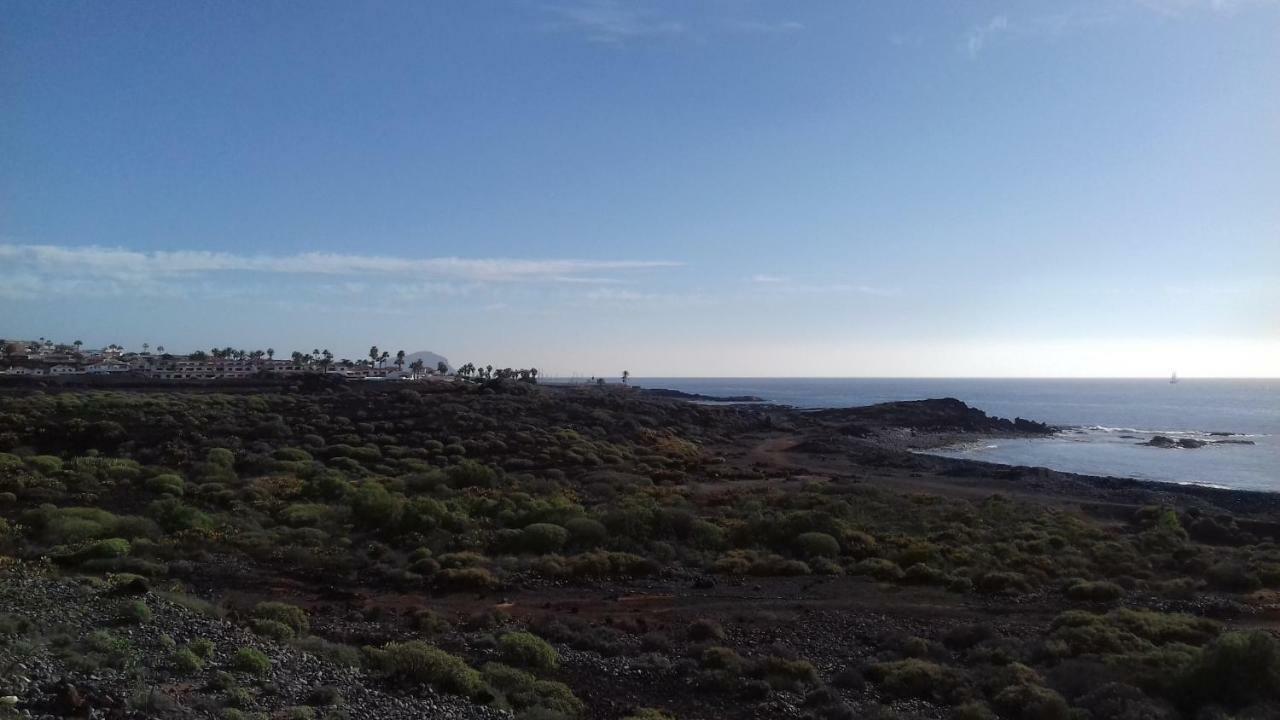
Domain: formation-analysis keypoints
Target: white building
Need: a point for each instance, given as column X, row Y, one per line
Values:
column 108, row 367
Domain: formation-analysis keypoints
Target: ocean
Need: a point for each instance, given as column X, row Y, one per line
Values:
column 1103, row 421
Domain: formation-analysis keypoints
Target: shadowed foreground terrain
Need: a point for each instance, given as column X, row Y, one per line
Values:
column 467, row 551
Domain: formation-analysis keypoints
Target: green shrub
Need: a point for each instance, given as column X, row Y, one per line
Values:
column 47, row 465
column 420, row 662
column 133, row 612
column 167, row 483
column 221, row 457
column 249, row 660
column 469, row 473
column 542, row 538
column 915, row 678
column 272, row 629
column 784, row 674
column 722, row 658
column 586, row 532
column 1002, row 582
column 530, row 696
column 878, row 568
column 1161, row 628
column 705, row 629
column 174, row 516
column 291, row 615
column 186, row 662
column 202, row 647
column 1237, row 669
column 1031, row 702
column 472, row 578
column 1094, row 591
column 99, row 550
column 528, row 650
column 817, row 544
column 429, row 621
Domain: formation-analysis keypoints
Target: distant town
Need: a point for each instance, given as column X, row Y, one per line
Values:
column 44, row 357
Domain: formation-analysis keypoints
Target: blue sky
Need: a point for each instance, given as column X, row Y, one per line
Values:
column 728, row 187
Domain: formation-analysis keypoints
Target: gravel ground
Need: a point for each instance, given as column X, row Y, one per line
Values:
column 48, row 626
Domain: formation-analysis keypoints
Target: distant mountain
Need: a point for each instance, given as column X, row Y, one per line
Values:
column 429, row 359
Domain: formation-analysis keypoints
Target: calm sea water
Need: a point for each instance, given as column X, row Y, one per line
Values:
column 1104, row 420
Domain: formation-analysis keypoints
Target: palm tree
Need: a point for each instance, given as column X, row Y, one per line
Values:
column 382, row 359
column 415, row 368
column 271, row 353
column 442, row 367
column 160, row 349
column 146, row 347
column 326, row 359
column 79, row 344
column 373, row 354
column 400, row 360
column 625, row 375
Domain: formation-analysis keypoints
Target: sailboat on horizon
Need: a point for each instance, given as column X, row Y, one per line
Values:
column 1173, row 379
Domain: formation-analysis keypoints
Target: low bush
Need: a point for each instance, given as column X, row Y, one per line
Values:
column 914, row 678
column 251, row 661
column 530, row 696
column 271, row 629
column 878, row 568
column 291, row 616
column 1237, row 669
column 133, row 612
column 1031, row 702
column 420, row 662
column 186, row 662
column 817, row 544
column 705, row 630
column 540, row 538
column 1094, row 591
column 528, row 650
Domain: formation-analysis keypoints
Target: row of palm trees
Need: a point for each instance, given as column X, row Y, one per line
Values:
column 489, row 372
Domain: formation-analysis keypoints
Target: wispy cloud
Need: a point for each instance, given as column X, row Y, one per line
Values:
column 1178, row 8
column 32, row 270
column 764, row 27
column 1074, row 19
column 611, row 22
column 768, row 279
column 978, row 36
column 614, row 22
column 790, row 286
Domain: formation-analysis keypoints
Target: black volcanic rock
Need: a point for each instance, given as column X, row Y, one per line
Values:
column 680, row 395
column 1161, row 441
column 940, row 415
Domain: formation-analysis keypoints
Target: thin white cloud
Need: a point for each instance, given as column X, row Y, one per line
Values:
column 768, row 279
column 610, row 22
column 764, row 27
column 978, row 36
column 1179, row 8
column 615, row 22
column 785, row 285
column 131, row 265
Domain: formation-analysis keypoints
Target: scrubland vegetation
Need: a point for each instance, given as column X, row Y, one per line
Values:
column 459, row 541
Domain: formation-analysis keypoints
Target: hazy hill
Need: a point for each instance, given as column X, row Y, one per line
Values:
column 429, row 359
